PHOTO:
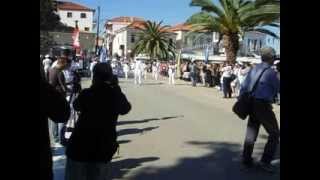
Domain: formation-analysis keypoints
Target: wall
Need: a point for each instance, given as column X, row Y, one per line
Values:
column 87, row 40
column 119, row 39
column 82, row 22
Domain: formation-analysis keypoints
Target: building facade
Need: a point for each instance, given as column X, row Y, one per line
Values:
column 125, row 38
column 70, row 12
column 254, row 41
column 114, row 36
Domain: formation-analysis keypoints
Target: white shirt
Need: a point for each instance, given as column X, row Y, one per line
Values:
column 125, row 68
column 227, row 71
column 154, row 68
column 54, row 64
column 138, row 67
column 46, row 63
column 242, row 74
column 172, row 68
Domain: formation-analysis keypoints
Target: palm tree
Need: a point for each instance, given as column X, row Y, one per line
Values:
column 154, row 41
column 233, row 18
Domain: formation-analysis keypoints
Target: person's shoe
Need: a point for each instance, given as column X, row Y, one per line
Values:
column 267, row 167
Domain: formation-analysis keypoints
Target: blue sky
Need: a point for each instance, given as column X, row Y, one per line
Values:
column 171, row 12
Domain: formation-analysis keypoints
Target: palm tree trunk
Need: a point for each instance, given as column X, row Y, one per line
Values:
column 179, row 63
column 231, row 45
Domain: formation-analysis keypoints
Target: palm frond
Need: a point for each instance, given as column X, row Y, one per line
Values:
column 207, row 5
column 263, row 11
column 265, row 31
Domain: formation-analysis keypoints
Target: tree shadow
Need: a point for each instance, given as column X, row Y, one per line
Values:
column 123, row 141
column 222, row 163
column 147, row 120
column 179, row 84
column 119, row 168
column 135, row 131
column 159, row 83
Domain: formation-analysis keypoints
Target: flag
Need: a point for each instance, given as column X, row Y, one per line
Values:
column 75, row 37
column 103, row 54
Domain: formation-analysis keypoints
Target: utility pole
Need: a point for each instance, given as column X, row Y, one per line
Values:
column 97, row 39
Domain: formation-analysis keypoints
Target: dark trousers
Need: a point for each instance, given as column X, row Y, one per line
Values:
column 227, row 87
column 193, row 79
column 262, row 115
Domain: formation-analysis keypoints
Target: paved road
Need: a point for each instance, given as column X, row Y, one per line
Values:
column 179, row 132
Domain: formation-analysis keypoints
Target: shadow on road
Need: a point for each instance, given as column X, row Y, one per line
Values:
column 135, row 131
column 123, row 141
column 160, row 83
column 147, row 120
column 222, row 163
column 120, row 168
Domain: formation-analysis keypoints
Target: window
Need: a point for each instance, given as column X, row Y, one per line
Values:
column 133, row 38
column 87, row 29
column 185, row 40
column 260, row 44
column 83, row 15
column 69, row 14
column 201, row 40
column 255, row 45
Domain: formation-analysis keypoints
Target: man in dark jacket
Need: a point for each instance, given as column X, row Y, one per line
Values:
column 53, row 105
column 58, row 81
column 94, row 139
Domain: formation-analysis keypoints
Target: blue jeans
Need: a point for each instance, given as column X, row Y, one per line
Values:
column 193, row 79
column 55, row 131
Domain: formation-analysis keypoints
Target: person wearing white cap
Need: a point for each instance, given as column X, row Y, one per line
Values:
column 263, row 84
column 46, row 64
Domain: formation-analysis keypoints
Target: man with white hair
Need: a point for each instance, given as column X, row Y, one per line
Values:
column 263, row 84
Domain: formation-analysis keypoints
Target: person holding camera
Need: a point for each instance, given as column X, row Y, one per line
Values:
column 93, row 141
column 58, row 81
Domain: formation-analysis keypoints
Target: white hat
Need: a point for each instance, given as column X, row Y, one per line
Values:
column 47, row 56
column 276, row 62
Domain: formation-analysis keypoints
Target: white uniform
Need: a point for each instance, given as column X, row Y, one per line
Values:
column 171, row 72
column 144, row 70
column 126, row 70
column 46, row 65
column 91, row 67
column 155, row 71
column 138, row 72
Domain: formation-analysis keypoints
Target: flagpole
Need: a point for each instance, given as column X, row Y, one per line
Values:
column 97, row 40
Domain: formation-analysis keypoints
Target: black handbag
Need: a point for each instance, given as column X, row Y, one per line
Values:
column 243, row 107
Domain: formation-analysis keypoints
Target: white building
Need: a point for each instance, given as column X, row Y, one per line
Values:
column 70, row 12
column 195, row 42
column 111, row 28
column 121, row 35
column 254, row 41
